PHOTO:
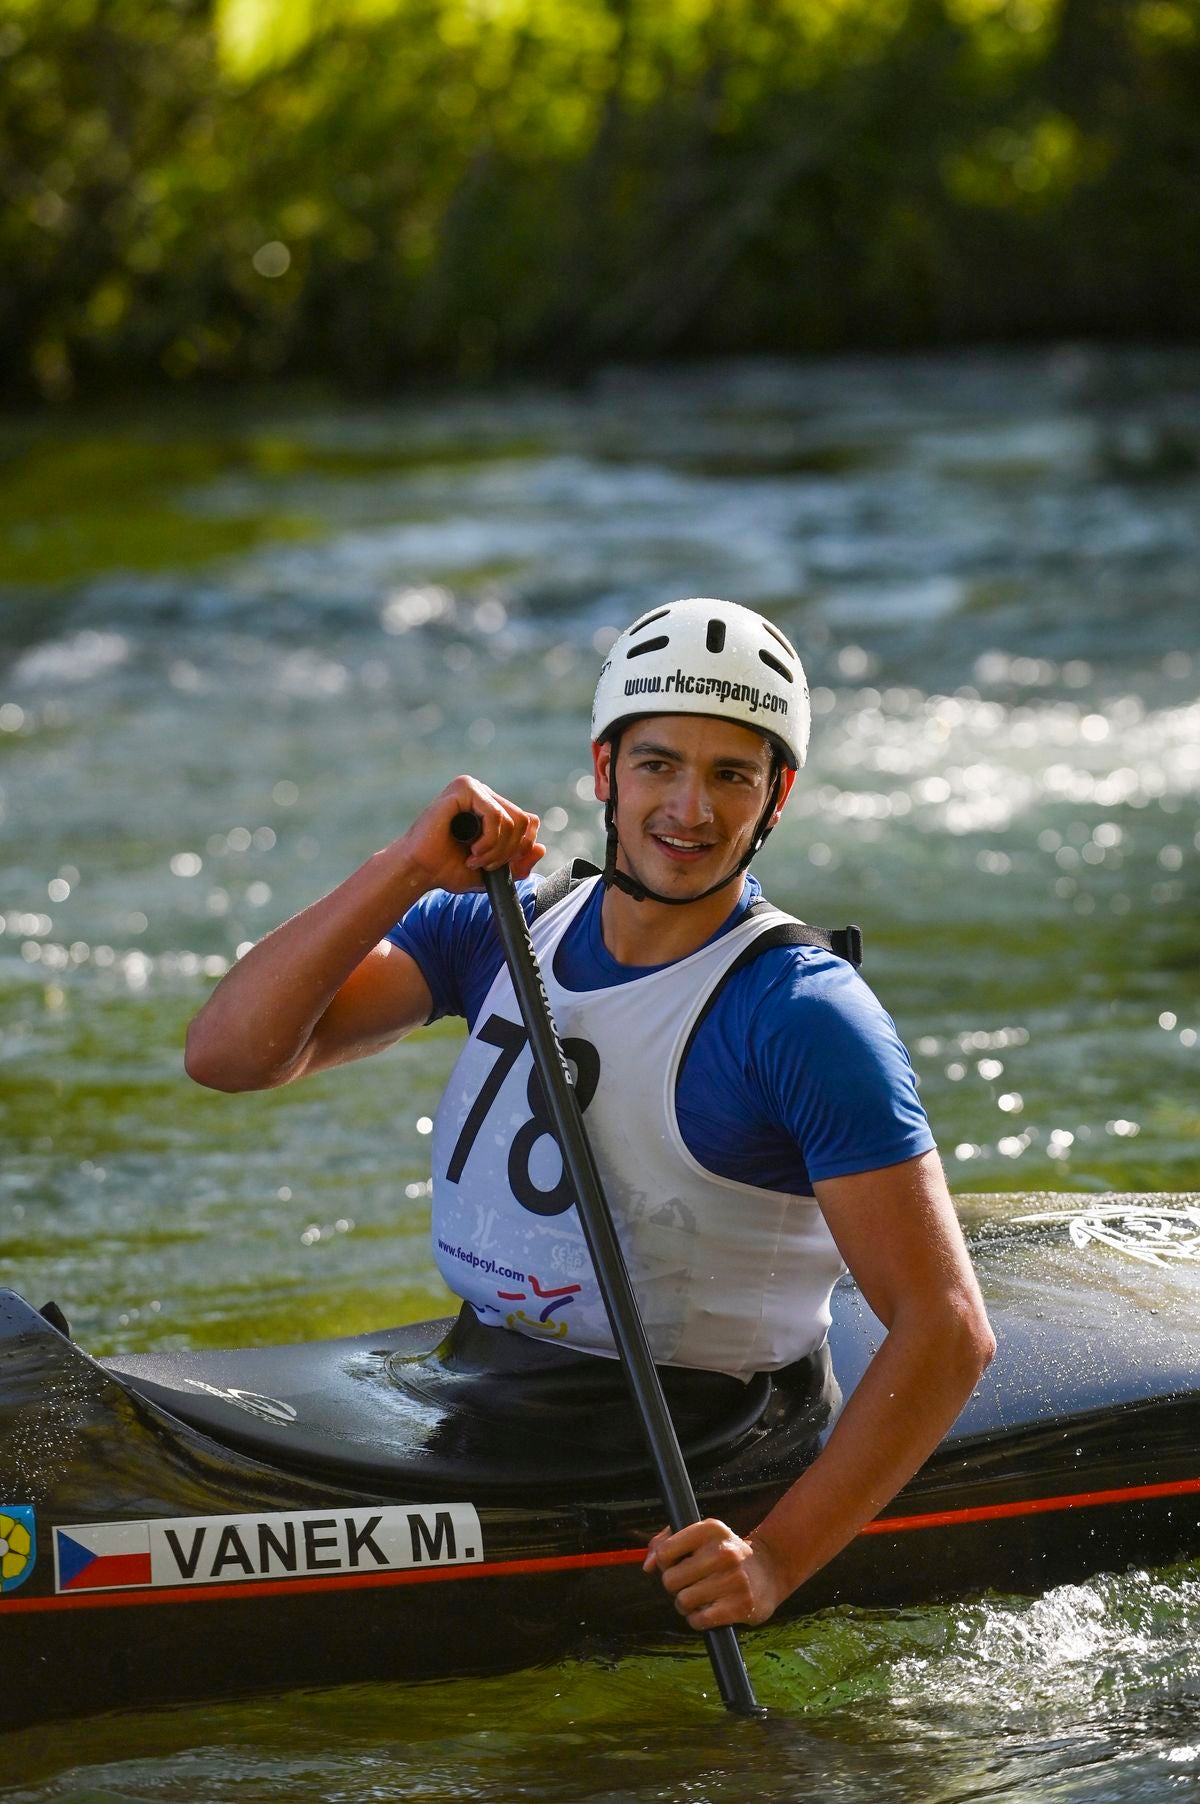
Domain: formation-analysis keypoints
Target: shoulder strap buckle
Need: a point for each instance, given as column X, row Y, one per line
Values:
column 843, row 942
column 847, row 943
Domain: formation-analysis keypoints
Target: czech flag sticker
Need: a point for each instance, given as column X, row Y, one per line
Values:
column 18, row 1544
column 102, row 1556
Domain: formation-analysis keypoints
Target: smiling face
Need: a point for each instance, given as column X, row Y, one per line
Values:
column 690, row 793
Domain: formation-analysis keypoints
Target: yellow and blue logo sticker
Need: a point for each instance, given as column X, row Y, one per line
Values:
column 18, row 1544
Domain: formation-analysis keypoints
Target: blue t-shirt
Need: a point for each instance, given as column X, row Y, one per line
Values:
column 795, row 1074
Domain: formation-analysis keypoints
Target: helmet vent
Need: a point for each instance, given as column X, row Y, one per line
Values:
column 769, row 658
column 776, row 634
column 648, row 619
column 715, row 637
column 639, row 651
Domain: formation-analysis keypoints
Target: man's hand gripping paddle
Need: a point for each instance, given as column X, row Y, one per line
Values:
column 607, row 1258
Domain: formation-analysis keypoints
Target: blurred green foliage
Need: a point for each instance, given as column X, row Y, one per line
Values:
column 71, row 509
column 364, row 189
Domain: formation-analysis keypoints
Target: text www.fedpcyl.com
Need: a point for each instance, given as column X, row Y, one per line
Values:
column 488, row 1267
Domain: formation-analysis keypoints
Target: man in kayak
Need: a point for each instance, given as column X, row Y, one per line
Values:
column 753, row 1113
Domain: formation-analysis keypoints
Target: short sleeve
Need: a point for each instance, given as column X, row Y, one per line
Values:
column 832, row 1068
column 453, row 941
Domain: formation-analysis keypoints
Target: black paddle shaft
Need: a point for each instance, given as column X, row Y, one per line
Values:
column 628, row 1330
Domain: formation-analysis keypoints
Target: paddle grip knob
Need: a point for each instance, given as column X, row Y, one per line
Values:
column 466, row 827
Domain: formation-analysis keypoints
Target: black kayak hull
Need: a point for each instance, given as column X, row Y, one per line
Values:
column 213, row 1524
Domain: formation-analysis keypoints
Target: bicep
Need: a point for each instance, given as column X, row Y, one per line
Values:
column 831, row 1070
column 383, row 999
column 897, row 1231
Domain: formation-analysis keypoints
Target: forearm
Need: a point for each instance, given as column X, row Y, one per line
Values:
column 909, row 1396
column 906, row 1400
column 896, row 1229
column 298, row 1001
column 256, row 1029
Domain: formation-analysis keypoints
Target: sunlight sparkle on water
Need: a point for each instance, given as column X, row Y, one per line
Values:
column 979, row 767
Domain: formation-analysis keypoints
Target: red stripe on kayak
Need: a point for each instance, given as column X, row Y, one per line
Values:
column 337, row 1581
column 567, row 1562
column 1034, row 1506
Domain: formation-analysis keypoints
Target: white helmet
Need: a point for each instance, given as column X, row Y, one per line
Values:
column 706, row 657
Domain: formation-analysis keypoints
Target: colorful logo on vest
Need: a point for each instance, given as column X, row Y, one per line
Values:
column 18, row 1544
column 559, row 1296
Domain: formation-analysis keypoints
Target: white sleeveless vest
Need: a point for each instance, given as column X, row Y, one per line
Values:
column 729, row 1277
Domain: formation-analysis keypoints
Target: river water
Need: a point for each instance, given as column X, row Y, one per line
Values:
column 241, row 643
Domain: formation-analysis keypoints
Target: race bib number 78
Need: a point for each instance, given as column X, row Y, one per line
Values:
column 510, row 1040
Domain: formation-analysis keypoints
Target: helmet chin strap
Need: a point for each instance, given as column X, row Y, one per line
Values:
column 612, row 878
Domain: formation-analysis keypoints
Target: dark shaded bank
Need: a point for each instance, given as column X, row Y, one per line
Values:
column 439, row 191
